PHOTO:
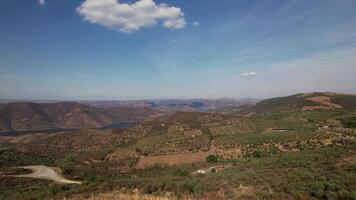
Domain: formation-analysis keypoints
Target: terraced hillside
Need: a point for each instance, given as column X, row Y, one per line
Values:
column 298, row 102
column 199, row 155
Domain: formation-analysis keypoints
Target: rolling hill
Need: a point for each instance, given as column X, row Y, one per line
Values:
column 297, row 102
column 40, row 116
column 310, row 138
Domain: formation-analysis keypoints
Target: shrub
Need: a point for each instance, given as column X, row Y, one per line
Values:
column 327, row 190
column 212, row 158
column 349, row 122
column 181, row 172
column 257, row 154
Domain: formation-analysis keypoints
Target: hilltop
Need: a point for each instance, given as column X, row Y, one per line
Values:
column 297, row 102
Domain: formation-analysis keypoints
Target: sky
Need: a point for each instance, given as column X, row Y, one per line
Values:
column 166, row 49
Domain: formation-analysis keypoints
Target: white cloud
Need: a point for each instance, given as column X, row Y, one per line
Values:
column 248, row 74
column 126, row 17
column 329, row 70
column 196, row 23
column 41, row 2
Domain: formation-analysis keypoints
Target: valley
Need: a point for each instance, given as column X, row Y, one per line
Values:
column 177, row 100
column 272, row 149
column 27, row 116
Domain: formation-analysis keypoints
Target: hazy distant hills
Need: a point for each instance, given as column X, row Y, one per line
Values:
column 15, row 116
column 173, row 105
column 38, row 116
column 87, row 114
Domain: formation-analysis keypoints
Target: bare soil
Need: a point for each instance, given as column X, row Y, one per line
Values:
column 47, row 173
column 325, row 102
column 175, row 159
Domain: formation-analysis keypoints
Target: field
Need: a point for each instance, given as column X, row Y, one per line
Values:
column 277, row 137
column 172, row 159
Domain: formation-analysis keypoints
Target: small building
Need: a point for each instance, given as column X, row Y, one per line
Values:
column 201, row 171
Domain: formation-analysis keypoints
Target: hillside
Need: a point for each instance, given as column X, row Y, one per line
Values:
column 310, row 138
column 297, row 102
column 39, row 116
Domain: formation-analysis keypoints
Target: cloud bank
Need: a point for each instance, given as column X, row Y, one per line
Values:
column 248, row 74
column 132, row 17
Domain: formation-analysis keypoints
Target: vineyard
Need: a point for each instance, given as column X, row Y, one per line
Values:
column 122, row 154
column 175, row 128
column 345, row 131
column 228, row 130
column 210, row 119
column 222, row 130
column 258, row 139
column 135, row 132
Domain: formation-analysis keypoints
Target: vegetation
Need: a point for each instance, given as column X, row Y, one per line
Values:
column 212, row 158
column 349, row 122
column 274, row 155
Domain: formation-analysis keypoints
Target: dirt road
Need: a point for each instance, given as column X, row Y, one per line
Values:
column 44, row 172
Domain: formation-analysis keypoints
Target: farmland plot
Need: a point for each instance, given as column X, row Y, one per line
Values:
column 227, row 130
column 258, row 139
column 172, row 142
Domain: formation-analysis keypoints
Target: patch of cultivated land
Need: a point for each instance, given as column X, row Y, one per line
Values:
column 47, row 173
column 324, row 101
column 175, row 159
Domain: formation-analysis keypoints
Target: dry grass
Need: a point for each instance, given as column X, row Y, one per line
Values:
column 227, row 153
column 193, row 133
column 25, row 139
column 5, row 138
column 118, row 195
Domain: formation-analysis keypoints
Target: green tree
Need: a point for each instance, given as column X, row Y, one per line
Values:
column 212, row 158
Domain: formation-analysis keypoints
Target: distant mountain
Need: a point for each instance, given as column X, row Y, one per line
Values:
column 297, row 102
column 39, row 116
column 173, row 105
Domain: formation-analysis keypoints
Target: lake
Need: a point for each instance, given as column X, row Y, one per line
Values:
column 119, row 125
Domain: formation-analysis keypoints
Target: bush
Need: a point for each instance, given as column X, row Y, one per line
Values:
column 327, row 190
column 194, row 187
column 257, row 154
column 181, row 172
column 212, row 158
column 349, row 122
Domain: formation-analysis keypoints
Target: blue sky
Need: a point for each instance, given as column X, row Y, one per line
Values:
column 108, row 49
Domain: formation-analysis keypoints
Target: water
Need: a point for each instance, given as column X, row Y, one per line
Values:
column 47, row 131
column 119, row 125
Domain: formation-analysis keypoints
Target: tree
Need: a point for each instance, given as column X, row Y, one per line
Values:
column 212, row 158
